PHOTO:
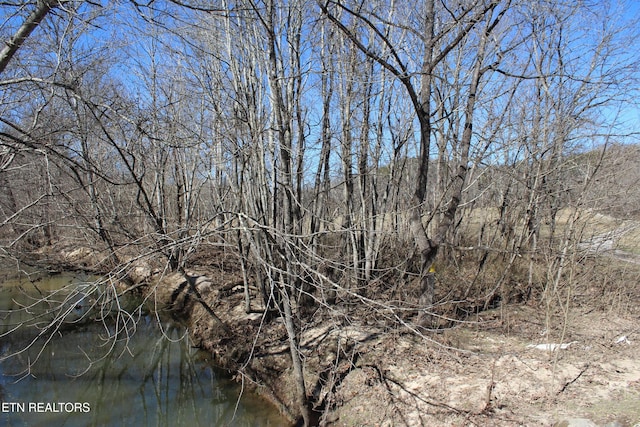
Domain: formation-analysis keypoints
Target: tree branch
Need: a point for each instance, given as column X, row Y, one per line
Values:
column 11, row 46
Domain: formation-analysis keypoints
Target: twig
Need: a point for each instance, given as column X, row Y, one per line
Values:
column 568, row 383
column 487, row 403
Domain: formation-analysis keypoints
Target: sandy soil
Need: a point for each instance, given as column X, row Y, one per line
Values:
column 492, row 374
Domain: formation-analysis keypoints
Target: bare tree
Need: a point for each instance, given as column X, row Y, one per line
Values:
column 435, row 48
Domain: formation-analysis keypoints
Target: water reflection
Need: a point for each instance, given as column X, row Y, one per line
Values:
column 85, row 377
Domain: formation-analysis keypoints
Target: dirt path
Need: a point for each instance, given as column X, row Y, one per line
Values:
column 607, row 244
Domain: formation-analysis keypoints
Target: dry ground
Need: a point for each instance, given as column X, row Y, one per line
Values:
column 493, row 377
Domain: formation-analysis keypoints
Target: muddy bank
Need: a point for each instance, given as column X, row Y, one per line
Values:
column 252, row 349
column 364, row 368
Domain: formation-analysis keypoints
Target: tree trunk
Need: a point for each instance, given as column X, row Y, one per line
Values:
column 298, row 373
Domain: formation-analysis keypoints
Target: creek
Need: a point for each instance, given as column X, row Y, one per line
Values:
column 107, row 367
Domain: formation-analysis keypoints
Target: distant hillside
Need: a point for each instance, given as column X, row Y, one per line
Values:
column 616, row 189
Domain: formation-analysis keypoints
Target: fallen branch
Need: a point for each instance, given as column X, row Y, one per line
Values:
column 568, row 383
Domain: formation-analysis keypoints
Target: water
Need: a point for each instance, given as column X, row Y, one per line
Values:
column 111, row 371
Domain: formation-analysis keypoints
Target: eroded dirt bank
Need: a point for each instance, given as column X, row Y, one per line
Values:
column 493, row 371
column 365, row 369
